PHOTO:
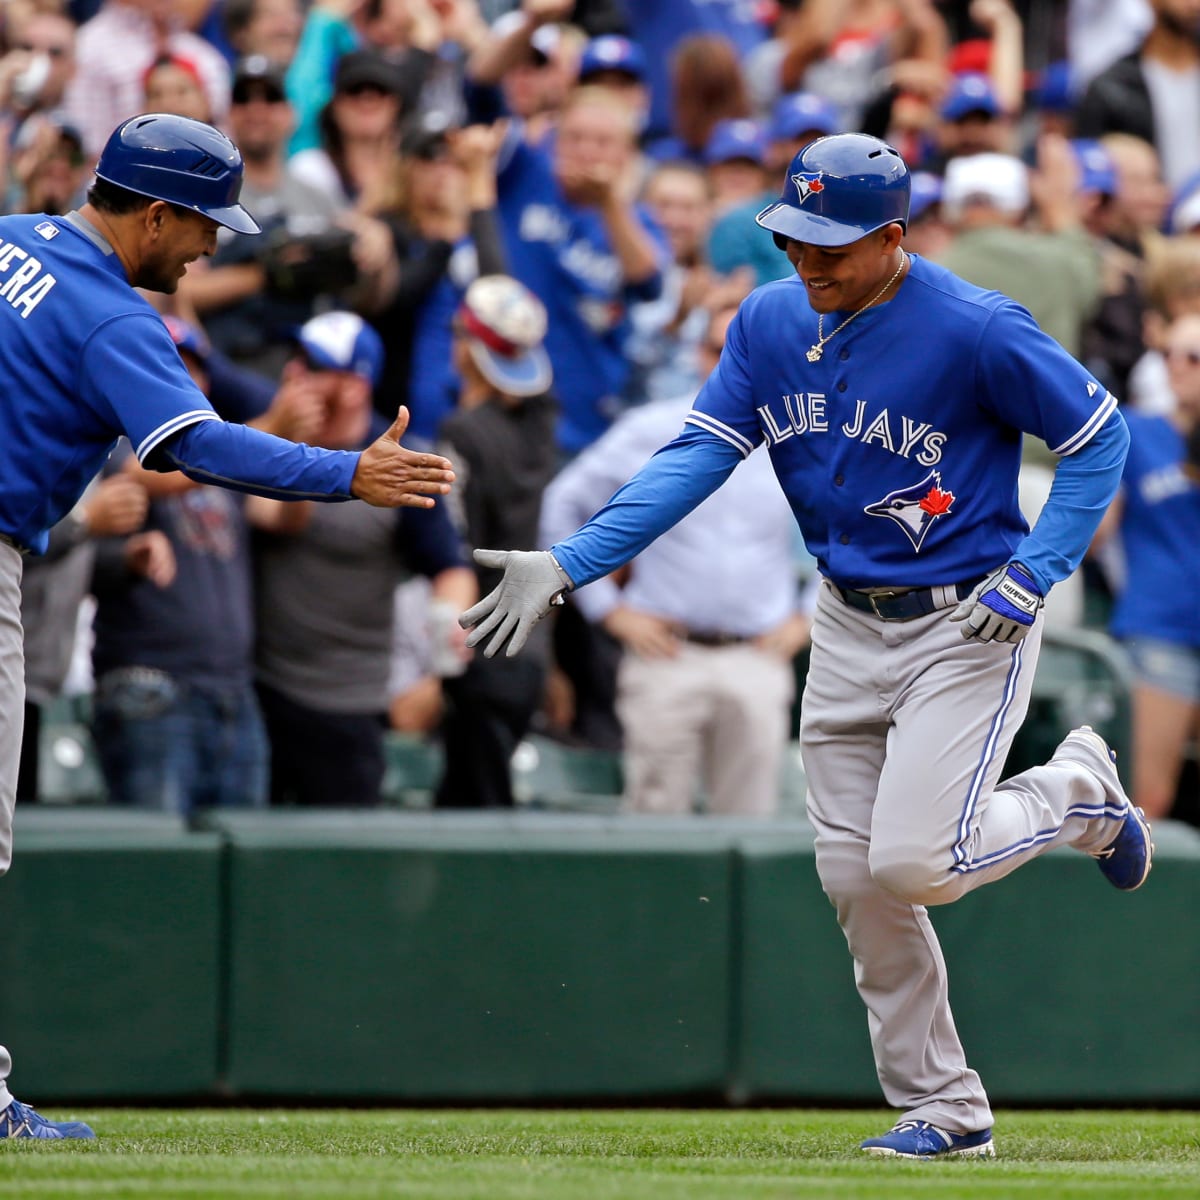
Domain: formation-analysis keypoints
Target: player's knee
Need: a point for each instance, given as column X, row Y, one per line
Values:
column 910, row 873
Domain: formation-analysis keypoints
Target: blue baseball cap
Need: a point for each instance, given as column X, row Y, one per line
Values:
column 342, row 341
column 1097, row 172
column 735, row 139
column 802, row 112
column 188, row 337
column 612, row 52
column 926, row 192
column 969, row 93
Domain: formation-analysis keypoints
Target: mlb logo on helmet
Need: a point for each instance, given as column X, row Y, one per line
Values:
column 808, row 183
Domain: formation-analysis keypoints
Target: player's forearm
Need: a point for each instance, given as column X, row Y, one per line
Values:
column 247, row 460
column 680, row 476
column 1084, row 486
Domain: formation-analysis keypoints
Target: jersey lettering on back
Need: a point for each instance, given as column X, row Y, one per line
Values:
column 26, row 286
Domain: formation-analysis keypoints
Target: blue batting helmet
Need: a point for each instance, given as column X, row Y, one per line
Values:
column 838, row 189
column 184, row 162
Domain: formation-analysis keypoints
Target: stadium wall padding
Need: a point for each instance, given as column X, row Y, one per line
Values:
column 491, row 958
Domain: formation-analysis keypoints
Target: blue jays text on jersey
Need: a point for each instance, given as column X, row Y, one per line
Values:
column 899, row 451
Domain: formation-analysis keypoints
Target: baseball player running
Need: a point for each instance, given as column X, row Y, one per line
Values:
column 892, row 397
column 86, row 359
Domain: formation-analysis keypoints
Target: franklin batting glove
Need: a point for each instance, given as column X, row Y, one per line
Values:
column 1002, row 608
column 533, row 583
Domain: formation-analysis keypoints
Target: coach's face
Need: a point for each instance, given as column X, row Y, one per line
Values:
column 171, row 239
column 845, row 278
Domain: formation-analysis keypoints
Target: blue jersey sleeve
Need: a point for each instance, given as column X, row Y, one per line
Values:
column 680, row 476
column 1084, row 485
column 1027, row 380
column 131, row 375
column 248, row 460
column 725, row 405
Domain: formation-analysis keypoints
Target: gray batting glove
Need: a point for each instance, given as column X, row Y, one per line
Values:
column 533, row 583
column 1002, row 608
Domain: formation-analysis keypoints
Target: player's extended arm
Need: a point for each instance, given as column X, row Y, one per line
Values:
column 678, row 478
column 1004, row 607
column 385, row 474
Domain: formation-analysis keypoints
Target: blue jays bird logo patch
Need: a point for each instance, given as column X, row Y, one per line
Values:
column 915, row 508
column 808, row 183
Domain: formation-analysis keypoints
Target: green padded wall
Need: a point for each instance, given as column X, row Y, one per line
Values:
column 519, row 957
column 110, row 959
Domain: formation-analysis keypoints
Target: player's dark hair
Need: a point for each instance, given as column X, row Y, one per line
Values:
column 115, row 200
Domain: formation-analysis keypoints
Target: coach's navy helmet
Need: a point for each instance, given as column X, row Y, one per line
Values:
column 184, row 162
column 837, row 190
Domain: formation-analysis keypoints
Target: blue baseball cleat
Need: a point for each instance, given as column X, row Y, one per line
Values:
column 20, row 1121
column 920, row 1139
column 1126, row 861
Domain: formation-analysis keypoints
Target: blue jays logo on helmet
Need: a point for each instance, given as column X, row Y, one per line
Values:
column 808, row 183
column 915, row 508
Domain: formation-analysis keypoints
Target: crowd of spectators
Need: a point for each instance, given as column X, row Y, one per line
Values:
column 596, row 165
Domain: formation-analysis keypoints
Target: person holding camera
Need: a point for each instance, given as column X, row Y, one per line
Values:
column 256, row 290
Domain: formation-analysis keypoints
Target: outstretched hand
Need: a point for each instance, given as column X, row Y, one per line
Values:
column 389, row 476
column 533, row 583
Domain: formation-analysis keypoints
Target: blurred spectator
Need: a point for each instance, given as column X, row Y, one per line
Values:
column 426, row 41
column 737, row 240
column 1054, row 100
column 175, row 720
column 734, row 160
column 667, row 331
column 53, row 586
column 730, row 28
column 501, row 438
column 267, row 27
column 359, row 130
column 326, row 581
column 618, row 64
column 446, row 232
column 707, row 87
column 577, row 239
column 927, row 233
column 1112, row 338
column 532, row 60
column 49, row 170
column 1101, row 31
column 254, row 291
column 173, row 85
column 1154, row 92
column 1172, row 292
column 1053, row 270
column 38, row 64
column 849, row 50
column 708, row 620
column 972, row 120
column 114, row 50
column 1157, row 516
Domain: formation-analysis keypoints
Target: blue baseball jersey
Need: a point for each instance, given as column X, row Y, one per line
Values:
column 1160, row 535
column 561, row 252
column 899, row 449
column 84, row 359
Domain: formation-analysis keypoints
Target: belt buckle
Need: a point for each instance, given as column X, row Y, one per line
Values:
column 873, row 596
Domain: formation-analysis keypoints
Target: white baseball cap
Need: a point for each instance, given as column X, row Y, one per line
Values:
column 1000, row 180
column 504, row 325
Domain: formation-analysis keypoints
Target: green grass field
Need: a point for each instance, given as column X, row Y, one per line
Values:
column 577, row 1155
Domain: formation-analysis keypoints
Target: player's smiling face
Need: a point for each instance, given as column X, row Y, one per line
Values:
column 179, row 238
column 845, row 278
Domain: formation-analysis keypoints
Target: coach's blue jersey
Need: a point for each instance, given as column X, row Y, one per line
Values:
column 899, row 450
column 561, row 252
column 84, row 359
column 1160, row 534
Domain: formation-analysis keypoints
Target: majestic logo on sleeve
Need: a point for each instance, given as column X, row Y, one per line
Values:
column 915, row 508
column 808, row 183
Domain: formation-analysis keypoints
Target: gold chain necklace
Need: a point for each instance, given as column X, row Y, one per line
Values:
column 818, row 348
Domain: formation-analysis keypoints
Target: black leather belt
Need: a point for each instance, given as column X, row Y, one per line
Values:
column 699, row 637
column 904, row 606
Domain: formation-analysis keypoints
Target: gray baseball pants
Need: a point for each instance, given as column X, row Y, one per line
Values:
column 904, row 732
column 12, row 720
